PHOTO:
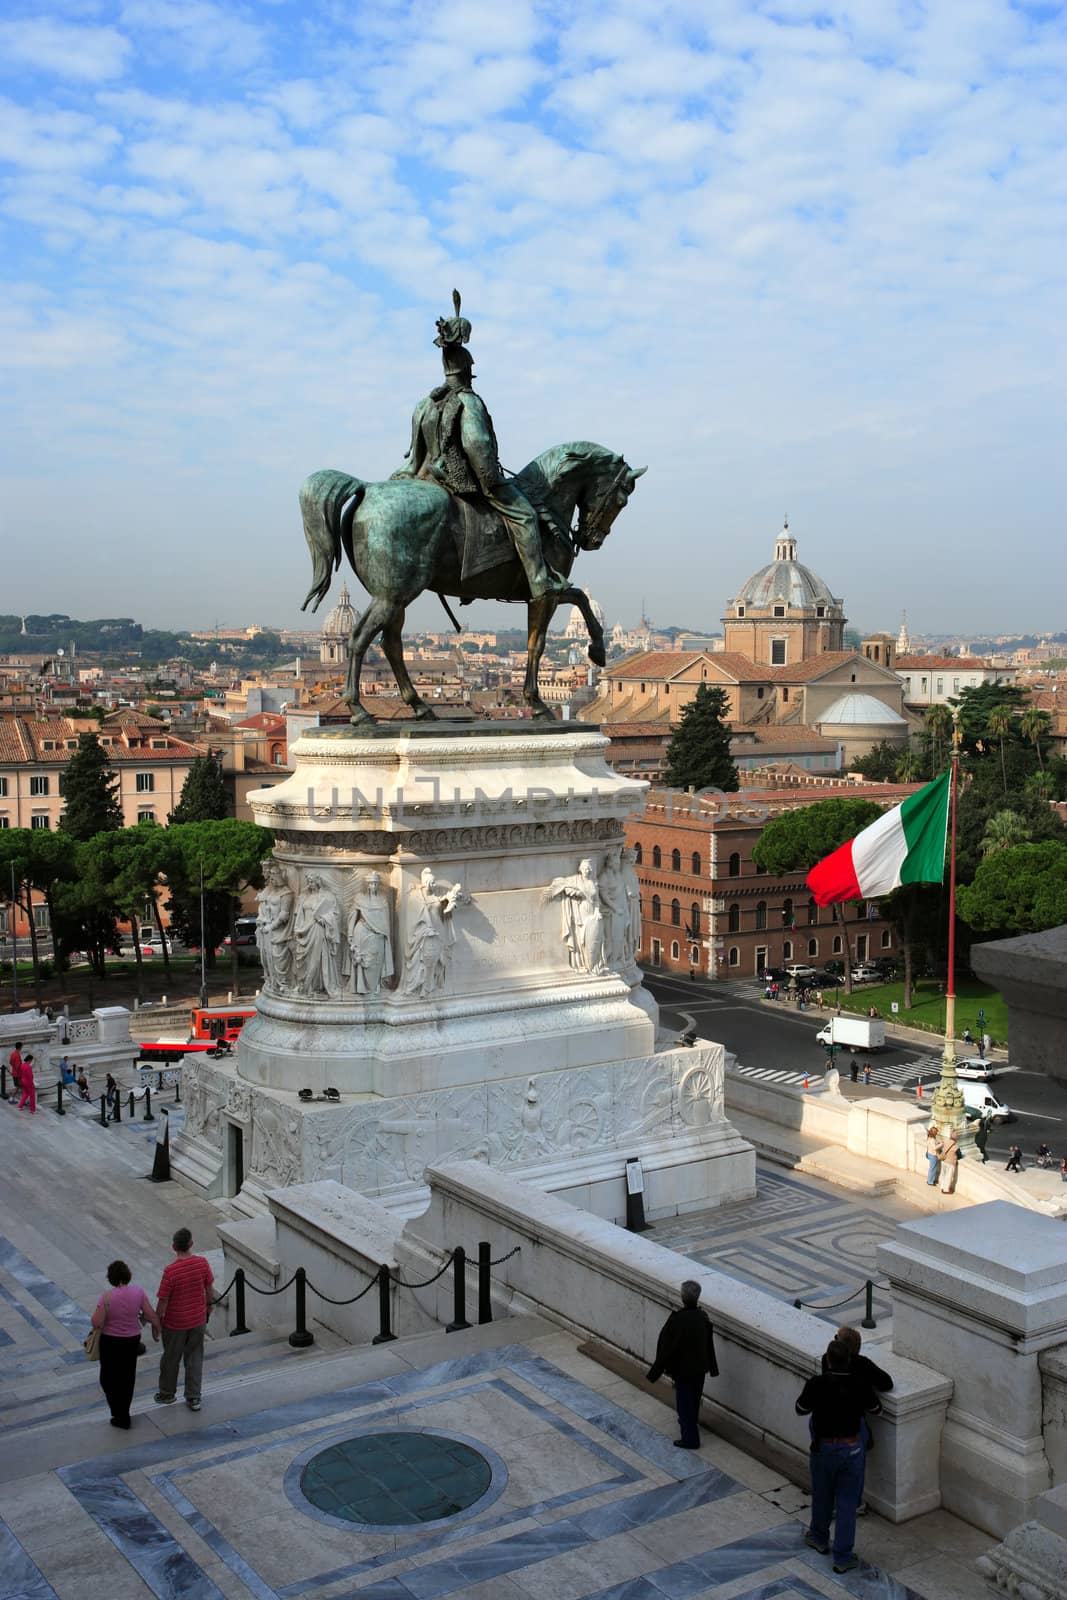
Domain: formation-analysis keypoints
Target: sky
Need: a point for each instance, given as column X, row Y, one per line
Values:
column 800, row 260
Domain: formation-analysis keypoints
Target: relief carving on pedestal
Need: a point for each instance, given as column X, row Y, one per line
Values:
column 431, row 935
column 275, row 1144
column 317, row 929
column 274, row 928
column 369, row 959
column 205, row 1096
column 582, row 918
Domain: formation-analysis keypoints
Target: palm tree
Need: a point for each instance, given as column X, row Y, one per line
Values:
column 1043, row 784
column 908, row 767
column 999, row 725
column 939, row 726
column 1033, row 724
column 1003, row 830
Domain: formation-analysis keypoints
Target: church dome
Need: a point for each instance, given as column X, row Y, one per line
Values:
column 785, row 581
column 861, row 710
column 342, row 619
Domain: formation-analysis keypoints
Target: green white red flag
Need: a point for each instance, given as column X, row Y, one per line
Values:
column 905, row 845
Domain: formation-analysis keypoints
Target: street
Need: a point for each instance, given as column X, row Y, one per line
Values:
column 777, row 1042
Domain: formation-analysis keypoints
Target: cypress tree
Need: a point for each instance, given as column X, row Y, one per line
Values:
column 698, row 755
column 88, row 786
column 204, row 796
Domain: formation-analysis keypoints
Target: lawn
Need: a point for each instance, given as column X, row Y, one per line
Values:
column 928, row 1008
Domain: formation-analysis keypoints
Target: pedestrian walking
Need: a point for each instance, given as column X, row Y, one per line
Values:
column 950, row 1159
column 183, row 1306
column 685, row 1351
column 837, row 1401
column 82, row 1083
column 981, row 1138
column 120, row 1313
column 28, row 1085
column 981, row 1049
column 14, row 1062
column 933, row 1154
column 853, row 1068
column 867, row 1073
column 111, row 1094
column 1063, row 1170
column 986, row 1045
column 1015, row 1159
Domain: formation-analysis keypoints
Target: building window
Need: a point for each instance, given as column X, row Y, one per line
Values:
column 733, row 919
column 38, row 783
column 40, row 819
column 695, row 864
column 733, row 866
column 787, row 949
column 785, row 696
column 675, row 952
column 656, row 947
column 40, row 918
column 813, row 914
column 146, row 816
column 777, row 652
column 3, row 787
column 638, row 856
column 787, row 914
column 759, row 693
column 657, row 856
column 734, row 958
column 146, row 782
column 694, row 920
column 779, row 611
column 4, row 823
column 676, row 861
column 694, row 956
column 887, row 939
column 837, row 944
column 761, row 913
column 955, row 686
column 820, row 611
column 656, row 908
column 940, row 685
column 924, row 686
column 813, row 947
column 676, row 914
column 740, row 611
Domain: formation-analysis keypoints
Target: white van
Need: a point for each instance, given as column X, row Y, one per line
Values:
column 979, row 1098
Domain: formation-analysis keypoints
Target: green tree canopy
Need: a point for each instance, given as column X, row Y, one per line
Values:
column 204, row 796
column 1021, row 890
column 232, row 853
column 979, row 803
column 796, row 840
column 91, row 793
column 880, row 763
column 698, row 755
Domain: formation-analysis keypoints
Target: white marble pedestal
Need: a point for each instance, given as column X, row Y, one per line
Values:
column 449, row 937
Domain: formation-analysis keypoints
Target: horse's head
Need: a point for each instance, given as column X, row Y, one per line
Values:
column 598, row 482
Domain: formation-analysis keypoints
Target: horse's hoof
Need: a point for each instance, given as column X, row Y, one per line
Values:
column 542, row 713
column 424, row 713
column 598, row 655
column 361, row 718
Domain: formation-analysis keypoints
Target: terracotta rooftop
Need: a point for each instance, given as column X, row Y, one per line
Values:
column 941, row 664
column 23, row 741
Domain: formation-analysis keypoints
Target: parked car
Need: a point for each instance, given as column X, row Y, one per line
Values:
column 976, row 1070
column 772, row 975
column 866, row 974
column 830, row 980
column 797, row 969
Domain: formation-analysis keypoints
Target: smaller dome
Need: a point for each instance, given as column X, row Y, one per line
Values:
column 342, row 619
column 861, row 710
column 785, row 580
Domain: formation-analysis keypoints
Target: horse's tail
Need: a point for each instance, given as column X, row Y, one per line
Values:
column 328, row 525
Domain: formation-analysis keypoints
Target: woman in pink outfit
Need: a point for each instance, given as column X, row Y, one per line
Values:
column 27, row 1084
column 119, row 1314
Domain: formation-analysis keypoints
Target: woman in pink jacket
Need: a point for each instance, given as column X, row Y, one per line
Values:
column 120, row 1313
column 28, row 1085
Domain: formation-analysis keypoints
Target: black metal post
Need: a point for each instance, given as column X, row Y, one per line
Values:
column 61, row 1109
column 385, row 1332
column 103, row 1110
column 131, row 1105
column 240, row 1326
column 3, row 1080
column 300, row 1337
column 178, row 1090
column 148, row 1117
column 459, row 1291
column 868, row 1312
column 485, row 1289
column 116, row 1115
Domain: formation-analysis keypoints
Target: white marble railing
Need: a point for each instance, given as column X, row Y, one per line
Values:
column 85, row 1030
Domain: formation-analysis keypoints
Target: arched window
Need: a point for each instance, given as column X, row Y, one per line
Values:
column 694, row 919
column 887, row 939
column 837, row 944
column 733, row 919
column 761, row 913
column 813, row 947
column 787, row 913
column 656, row 908
column 787, row 949
column 674, row 950
column 676, row 914
column 695, row 864
column 638, row 857
column 734, row 958
column 813, row 914
column 676, row 861
column 694, row 956
column 733, row 866
column 657, row 856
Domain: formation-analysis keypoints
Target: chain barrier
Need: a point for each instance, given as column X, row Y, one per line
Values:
column 350, row 1302
column 425, row 1283
column 499, row 1260
column 866, row 1289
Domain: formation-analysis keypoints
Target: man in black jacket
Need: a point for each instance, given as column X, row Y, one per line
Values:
column 686, row 1352
column 836, row 1401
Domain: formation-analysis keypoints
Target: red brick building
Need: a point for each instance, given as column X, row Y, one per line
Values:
column 706, row 905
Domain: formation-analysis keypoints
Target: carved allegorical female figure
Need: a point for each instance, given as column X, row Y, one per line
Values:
column 582, row 918
column 274, row 928
column 616, row 910
column 317, row 937
column 632, row 885
column 370, row 943
column 429, row 946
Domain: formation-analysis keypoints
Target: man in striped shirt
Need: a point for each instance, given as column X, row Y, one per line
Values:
column 183, row 1306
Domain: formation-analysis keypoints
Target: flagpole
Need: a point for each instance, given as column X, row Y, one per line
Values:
column 947, row 1107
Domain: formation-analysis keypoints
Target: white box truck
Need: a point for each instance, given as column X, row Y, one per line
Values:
column 855, row 1033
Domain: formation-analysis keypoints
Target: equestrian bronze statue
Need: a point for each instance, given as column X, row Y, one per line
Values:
column 451, row 522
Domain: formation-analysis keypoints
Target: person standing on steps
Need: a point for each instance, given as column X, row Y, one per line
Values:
column 933, row 1154
column 981, row 1137
column 686, row 1352
column 28, row 1084
column 119, row 1314
column 836, row 1401
column 853, row 1068
column 183, row 1307
column 1015, row 1159
column 950, row 1161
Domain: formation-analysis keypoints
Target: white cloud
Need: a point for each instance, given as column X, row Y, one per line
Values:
column 84, row 54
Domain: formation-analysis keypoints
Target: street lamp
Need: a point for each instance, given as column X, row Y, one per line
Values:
column 203, row 942
column 947, row 1108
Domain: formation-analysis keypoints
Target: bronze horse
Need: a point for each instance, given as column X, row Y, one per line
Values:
column 405, row 536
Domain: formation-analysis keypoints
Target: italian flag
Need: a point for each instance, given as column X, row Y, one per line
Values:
column 905, row 845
